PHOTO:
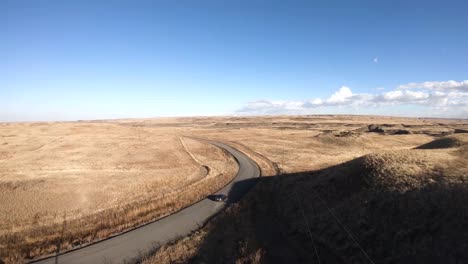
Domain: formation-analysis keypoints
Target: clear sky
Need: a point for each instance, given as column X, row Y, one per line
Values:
column 68, row 60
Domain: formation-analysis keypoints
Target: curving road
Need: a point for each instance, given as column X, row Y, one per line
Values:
column 126, row 247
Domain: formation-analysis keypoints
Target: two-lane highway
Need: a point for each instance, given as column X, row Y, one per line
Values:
column 132, row 244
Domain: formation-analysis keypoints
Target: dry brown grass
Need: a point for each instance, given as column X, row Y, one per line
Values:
column 309, row 143
column 378, row 184
column 446, row 142
column 96, row 180
column 178, row 252
column 402, row 206
column 131, row 161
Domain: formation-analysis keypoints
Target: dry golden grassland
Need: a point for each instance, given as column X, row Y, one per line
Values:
column 413, row 162
column 96, row 178
column 71, row 183
column 308, row 143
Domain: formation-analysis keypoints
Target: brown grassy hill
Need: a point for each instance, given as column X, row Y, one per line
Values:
column 446, row 142
column 401, row 207
column 408, row 206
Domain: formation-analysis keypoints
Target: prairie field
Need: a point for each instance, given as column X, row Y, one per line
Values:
column 65, row 184
column 398, row 185
column 51, row 173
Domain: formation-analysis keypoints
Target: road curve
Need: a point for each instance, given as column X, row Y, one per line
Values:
column 126, row 247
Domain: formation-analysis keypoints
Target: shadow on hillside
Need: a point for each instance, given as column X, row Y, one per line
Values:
column 240, row 189
column 288, row 218
column 446, row 142
column 252, row 228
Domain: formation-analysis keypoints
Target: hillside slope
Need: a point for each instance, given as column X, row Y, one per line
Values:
column 406, row 206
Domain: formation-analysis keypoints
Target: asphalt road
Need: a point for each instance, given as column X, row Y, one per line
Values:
column 126, row 247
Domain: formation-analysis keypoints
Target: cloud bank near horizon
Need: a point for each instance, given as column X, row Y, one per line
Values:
column 438, row 99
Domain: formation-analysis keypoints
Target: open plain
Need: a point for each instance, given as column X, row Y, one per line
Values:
column 65, row 184
column 97, row 178
column 344, row 189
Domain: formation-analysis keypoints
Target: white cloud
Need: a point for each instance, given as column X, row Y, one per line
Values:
column 316, row 101
column 340, row 96
column 401, row 96
column 273, row 107
column 376, row 60
column 438, row 86
column 449, row 99
column 393, row 95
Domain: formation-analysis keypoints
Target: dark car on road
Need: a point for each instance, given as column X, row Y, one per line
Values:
column 218, row 197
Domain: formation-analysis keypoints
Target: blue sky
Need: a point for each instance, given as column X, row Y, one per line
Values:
column 68, row 60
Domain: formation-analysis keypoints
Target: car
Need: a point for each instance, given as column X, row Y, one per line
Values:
column 218, row 197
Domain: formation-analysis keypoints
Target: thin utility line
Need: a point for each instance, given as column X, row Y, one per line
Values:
column 344, row 227
column 308, row 227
